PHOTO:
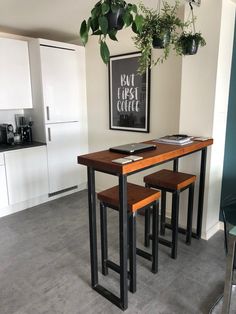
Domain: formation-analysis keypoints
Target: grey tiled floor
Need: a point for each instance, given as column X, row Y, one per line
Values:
column 45, row 268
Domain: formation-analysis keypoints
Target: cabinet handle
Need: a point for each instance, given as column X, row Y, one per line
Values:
column 49, row 135
column 48, row 113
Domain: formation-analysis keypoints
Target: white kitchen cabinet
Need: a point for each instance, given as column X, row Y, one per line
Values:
column 60, row 80
column 63, row 146
column 15, row 84
column 26, row 171
column 3, row 184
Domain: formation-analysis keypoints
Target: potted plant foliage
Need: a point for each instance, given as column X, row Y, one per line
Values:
column 108, row 17
column 188, row 42
column 158, row 30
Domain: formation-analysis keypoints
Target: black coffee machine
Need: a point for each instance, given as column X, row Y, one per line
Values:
column 24, row 128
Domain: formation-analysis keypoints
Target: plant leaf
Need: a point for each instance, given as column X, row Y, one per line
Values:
column 104, row 51
column 103, row 23
column 105, row 8
column 97, row 32
column 128, row 18
column 94, row 24
column 89, row 23
column 112, row 35
column 139, row 22
column 134, row 8
column 96, row 11
column 134, row 28
column 84, row 32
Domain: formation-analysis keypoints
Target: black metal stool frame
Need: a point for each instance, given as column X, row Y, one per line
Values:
column 174, row 226
column 133, row 250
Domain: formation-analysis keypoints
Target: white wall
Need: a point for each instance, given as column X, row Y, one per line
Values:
column 164, row 101
column 204, row 99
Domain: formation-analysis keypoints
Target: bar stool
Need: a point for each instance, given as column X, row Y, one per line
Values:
column 138, row 197
column 173, row 182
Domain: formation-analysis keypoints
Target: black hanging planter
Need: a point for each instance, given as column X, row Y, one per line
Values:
column 160, row 42
column 190, row 46
column 115, row 20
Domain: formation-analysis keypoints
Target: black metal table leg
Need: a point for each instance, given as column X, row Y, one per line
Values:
column 155, row 227
column 176, row 164
column 132, row 252
column 122, row 301
column 201, row 192
column 123, row 241
column 92, row 226
column 163, row 212
column 175, row 223
column 147, row 227
column 190, row 214
column 104, row 246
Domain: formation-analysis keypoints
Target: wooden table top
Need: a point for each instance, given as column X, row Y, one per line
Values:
column 102, row 160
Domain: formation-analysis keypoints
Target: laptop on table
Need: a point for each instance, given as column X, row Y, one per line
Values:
column 133, row 148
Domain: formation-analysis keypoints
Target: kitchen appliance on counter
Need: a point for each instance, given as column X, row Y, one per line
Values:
column 6, row 134
column 24, row 128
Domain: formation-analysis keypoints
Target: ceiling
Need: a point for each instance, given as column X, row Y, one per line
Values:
column 52, row 19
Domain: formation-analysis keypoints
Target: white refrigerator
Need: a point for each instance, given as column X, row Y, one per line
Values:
column 62, row 98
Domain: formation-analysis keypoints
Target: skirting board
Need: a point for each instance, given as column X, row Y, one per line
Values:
column 11, row 209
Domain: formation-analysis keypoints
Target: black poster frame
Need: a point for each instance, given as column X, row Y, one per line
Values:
column 127, row 120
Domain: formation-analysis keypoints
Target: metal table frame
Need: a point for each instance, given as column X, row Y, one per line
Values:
column 122, row 301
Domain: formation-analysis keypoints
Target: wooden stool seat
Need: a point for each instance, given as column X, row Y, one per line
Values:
column 173, row 182
column 168, row 179
column 137, row 196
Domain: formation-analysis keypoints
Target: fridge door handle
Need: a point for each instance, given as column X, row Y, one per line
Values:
column 48, row 112
column 49, row 135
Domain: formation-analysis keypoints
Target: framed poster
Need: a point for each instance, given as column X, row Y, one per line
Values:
column 128, row 94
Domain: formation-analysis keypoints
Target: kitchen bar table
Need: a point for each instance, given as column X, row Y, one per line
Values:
column 102, row 162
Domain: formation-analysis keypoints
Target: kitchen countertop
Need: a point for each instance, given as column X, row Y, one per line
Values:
column 6, row 148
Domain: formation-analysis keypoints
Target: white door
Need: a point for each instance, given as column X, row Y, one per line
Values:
column 63, row 149
column 15, row 84
column 27, row 175
column 60, row 79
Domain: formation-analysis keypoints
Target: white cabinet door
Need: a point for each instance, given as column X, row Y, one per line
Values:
column 63, row 149
column 15, row 85
column 3, row 184
column 27, row 175
column 60, row 80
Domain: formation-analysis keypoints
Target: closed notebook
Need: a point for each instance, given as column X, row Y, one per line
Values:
column 175, row 139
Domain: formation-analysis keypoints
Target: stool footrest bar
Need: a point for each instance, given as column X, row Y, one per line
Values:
column 115, row 267
column 165, row 242
column 182, row 230
column 109, row 296
column 144, row 254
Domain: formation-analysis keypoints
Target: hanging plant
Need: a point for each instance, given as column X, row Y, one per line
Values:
column 108, row 17
column 159, row 30
column 188, row 42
